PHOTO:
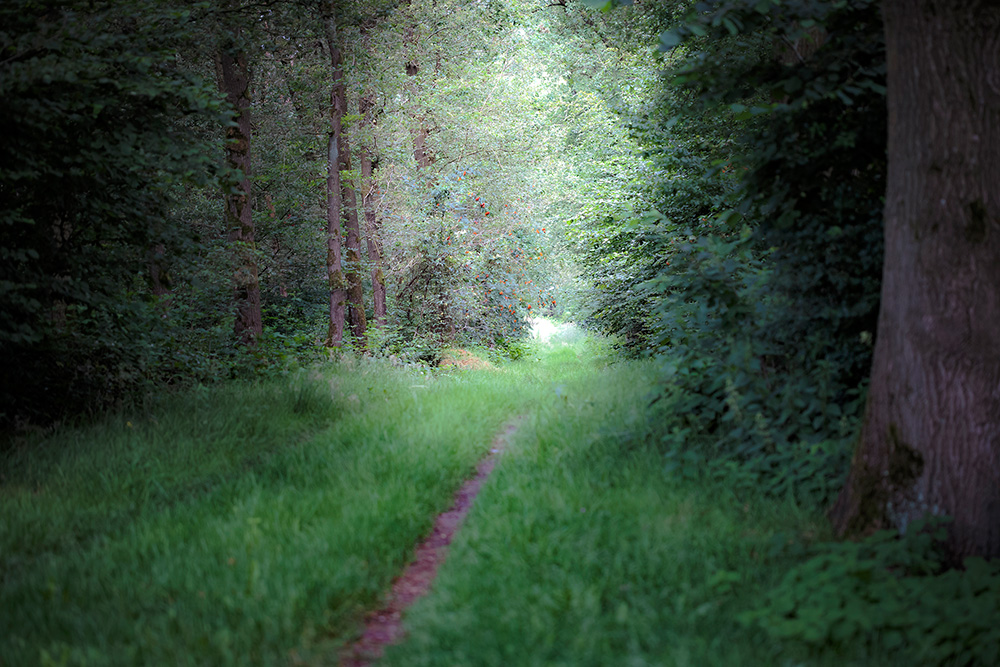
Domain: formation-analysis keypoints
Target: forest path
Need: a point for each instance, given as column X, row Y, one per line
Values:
column 556, row 355
column 259, row 522
column 384, row 626
column 525, row 578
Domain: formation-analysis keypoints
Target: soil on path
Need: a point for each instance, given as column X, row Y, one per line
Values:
column 385, row 626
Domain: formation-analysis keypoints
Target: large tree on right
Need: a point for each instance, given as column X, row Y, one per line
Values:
column 930, row 443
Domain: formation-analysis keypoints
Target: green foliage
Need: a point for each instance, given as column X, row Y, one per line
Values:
column 747, row 262
column 892, row 592
column 513, row 348
column 731, row 413
column 401, row 344
column 605, row 5
column 815, row 161
column 670, row 183
column 291, row 99
column 475, row 260
column 90, row 97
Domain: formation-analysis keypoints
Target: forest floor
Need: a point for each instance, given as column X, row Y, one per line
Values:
column 260, row 524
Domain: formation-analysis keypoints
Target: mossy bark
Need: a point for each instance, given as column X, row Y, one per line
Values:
column 355, row 290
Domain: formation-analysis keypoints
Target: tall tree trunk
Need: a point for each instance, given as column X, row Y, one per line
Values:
column 355, row 288
column 418, row 121
column 930, row 443
column 234, row 81
column 372, row 224
column 334, row 203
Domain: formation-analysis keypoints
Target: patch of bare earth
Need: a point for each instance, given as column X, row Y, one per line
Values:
column 462, row 359
column 385, row 626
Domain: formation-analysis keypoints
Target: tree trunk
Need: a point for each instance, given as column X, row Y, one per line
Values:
column 234, row 82
column 930, row 443
column 355, row 288
column 418, row 121
column 159, row 278
column 334, row 204
column 372, row 224
column 156, row 264
column 420, row 132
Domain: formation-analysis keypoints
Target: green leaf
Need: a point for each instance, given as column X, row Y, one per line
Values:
column 669, row 39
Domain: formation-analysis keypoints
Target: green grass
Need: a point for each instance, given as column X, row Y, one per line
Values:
column 580, row 551
column 583, row 550
column 254, row 524
column 242, row 524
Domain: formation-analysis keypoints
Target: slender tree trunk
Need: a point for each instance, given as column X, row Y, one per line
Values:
column 420, row 132
column 334, row 203
column 355, row 288
column 155, row 263
column 930, row 443
column 234, row 82
column 418, row 121
column 372, row 224
column 159, row 278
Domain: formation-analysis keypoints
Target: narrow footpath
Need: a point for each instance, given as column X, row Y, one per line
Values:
column 384, row 626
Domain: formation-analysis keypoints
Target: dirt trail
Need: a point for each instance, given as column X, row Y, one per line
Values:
column 385, row 626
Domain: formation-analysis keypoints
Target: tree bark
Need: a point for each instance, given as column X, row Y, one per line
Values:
column 334, row 203
column 930, row 443
column 355, row 288
column 159, row 278
column 418, row 121
column 372, row 224
column 234, row 82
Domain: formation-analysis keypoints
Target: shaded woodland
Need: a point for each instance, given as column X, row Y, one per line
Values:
column 785, row 212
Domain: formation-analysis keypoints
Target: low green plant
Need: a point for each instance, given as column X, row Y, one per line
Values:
column 513, row 348
column 889, row 591
column 400, row 343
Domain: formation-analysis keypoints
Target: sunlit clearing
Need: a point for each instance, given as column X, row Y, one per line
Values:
column 547, row 331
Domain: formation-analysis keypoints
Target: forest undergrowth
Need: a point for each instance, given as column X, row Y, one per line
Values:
column 255, row 523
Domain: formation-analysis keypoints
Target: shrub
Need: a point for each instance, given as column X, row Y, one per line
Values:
column 889, row 591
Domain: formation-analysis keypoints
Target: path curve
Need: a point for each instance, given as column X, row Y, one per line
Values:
column 385, row 626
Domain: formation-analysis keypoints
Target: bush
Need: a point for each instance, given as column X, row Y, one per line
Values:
column 733, row 407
